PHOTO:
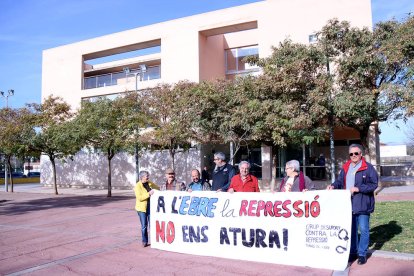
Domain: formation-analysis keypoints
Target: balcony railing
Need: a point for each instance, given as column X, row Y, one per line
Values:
column 117, row 78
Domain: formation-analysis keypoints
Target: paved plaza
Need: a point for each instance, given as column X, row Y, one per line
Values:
column 82, row 232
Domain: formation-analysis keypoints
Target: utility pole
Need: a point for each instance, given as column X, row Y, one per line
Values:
column 10, row 93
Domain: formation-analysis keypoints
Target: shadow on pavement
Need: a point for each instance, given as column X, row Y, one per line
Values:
column 21, row 207
column 383, row 233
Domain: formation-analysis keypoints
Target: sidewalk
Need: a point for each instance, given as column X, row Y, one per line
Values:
column 82, row 232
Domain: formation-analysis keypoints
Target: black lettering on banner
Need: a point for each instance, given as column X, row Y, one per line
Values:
column 342, row 235
column 185, row 234
column 244, row 241
column 235, row 231
column 285, row 239
column 161, row 204
column 205, row 237
column 224, row 238
column 173, row 210
column 227, row 213
column 274, row 239
column 260, row 236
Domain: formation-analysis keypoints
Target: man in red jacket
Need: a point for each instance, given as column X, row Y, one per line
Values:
column 244, row 181
column 361, row 179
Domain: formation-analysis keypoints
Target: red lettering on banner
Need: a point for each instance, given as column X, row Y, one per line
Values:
column 243, row 206
column 299, row 212
column 170, row 232
column 260, row 206
column 279, row 208
column 252, row 207
column 160, row 231
column 276, row 209
column 285, row 207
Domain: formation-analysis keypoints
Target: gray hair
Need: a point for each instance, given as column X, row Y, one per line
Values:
column 361, row 148
column 244, row 162
column 220, row 155
column 294, row 164
column 143, row 173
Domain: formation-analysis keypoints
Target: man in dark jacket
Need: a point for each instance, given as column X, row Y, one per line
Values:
column 361, row 179
column 222, row 173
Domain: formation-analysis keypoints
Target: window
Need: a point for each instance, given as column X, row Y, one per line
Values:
column 235, row 64
column 313, row 38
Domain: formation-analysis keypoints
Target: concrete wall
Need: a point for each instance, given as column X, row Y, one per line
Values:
column 90, row 169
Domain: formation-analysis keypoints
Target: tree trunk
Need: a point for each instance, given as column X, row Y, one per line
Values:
column 10, row 173
column 363, row 134
column 52, row 160
column 110, row 155
column 172, row 155
column 274, row 169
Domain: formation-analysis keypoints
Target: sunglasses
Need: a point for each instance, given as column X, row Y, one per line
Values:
column 354, row 153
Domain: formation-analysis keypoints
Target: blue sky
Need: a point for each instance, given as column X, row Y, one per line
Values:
column 27, row 27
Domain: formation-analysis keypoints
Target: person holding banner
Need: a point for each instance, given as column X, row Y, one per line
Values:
column 198, row 184
column 244, row 181
column 222, row 174
column 171, row 184
column 295, row 180
column 144, row 189
column 361, row 179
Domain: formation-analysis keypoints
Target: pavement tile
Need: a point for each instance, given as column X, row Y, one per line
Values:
column 74, row 234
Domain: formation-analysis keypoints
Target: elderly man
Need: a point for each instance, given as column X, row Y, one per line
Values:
column 222, row 173
column 171, row 184
column 198, row 184
column 244, row 181
column 295, row 181
column 361, row 179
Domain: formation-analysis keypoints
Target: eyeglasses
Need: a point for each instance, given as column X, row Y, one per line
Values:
column 216, row 159
column 288, row 168
column 353, row 153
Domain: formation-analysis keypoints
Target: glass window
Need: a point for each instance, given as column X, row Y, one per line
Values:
column 235, row 59
column 104, row 80
column 89, row 83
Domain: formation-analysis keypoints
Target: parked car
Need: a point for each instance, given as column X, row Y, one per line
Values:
column 33, row 174
column 18, row 175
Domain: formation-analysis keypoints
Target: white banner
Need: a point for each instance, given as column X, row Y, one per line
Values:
column 304, row 229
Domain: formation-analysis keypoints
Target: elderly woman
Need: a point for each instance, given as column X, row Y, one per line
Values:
column 144, row 189
column 295, row 181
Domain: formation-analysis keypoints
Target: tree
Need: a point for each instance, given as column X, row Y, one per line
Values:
column 168, row 108
column 290, row 95
column 54, row 137
column 373, row 71
column 15, row 132
column 109, row 126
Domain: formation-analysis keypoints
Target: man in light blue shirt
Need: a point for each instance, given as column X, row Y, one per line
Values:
column 197, row 184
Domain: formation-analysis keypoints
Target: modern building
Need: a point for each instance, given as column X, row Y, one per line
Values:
column 195, row 48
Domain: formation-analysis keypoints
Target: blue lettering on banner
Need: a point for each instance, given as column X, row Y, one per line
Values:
column 196, row 206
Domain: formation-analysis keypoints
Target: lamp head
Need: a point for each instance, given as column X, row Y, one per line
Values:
column 11, row 92
column 143, row 68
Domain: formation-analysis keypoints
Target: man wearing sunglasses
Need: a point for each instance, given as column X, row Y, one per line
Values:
column 361, row 179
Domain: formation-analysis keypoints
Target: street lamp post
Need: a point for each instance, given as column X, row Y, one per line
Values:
column 10, row 93
column 143, row 69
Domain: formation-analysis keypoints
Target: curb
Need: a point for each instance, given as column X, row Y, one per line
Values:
column 392, row 255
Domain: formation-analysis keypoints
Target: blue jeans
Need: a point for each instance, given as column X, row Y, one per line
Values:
column 360, row 245
column 144, row 218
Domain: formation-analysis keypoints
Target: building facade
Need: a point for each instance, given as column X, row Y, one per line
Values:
column 196, row 48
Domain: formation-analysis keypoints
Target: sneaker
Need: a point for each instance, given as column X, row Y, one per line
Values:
column 362, row 260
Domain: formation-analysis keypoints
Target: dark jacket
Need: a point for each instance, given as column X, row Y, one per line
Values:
column 297, row 186
column 366, row 179
column 222, row 177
